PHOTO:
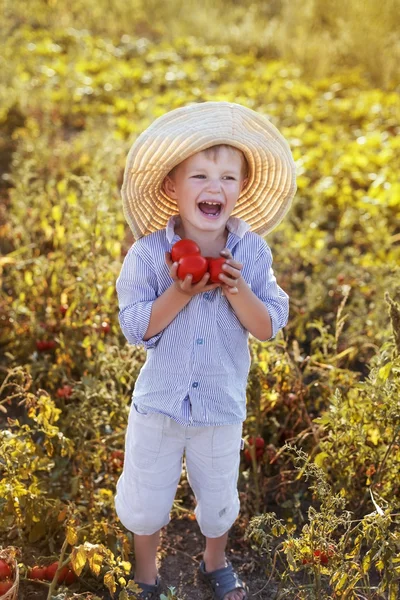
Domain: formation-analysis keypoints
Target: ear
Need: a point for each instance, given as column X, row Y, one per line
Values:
column 168, row 186
column 244, row 183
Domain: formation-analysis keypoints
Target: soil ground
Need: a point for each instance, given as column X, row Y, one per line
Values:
column 179, row 556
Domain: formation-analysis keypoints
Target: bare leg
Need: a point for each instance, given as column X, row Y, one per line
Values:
column 214, row 558
column 145, row 557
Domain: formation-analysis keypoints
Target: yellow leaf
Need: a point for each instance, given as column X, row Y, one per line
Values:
column 366, row 562
column 78, row 559
column 373, row 435
column 28, row 278
column 56, row 213
column 384, row 371
column 320, row 457
column 133, row 587
column 59, row 232
column 126, row 565
column 72, row 536
column 109, row 582
column 342, row 582
column 95, row 560
column 393, row 591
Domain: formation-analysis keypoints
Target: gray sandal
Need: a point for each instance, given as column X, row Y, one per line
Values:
column 223, row 581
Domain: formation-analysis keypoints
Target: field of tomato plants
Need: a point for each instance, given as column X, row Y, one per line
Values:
column 319, row 482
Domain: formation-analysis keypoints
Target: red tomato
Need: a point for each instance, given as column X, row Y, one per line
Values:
column 321, row 556
column 184, row 248
column 63, row 574
column 5, row 569
column 51, row 571
column 118, row 454
column 215, row 268
column 37, row 573
column 5, row 585
column 64, row 392
column 195, row 265
column 43, row 345
column 70, row 577
column 260, row 443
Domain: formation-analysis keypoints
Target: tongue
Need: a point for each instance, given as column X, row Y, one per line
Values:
column 209, row 209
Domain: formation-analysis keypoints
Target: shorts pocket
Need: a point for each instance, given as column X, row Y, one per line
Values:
column 144, row 437
column 226, row 443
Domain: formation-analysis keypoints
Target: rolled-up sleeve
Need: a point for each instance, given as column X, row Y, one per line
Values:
column 136, row 290
column 265, row 287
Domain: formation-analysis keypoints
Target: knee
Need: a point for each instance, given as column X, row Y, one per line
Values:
column 214, row 521
column 139, row 521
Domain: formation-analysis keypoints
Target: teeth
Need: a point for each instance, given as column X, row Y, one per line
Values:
column 212, row 203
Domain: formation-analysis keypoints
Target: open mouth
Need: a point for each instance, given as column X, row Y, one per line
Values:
column 210, row 209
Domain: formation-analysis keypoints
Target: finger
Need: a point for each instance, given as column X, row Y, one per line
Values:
column 174, row 270
column 187, row 283
column 230, row 270
column 200, row 284
column 227, row 280
column 234, row 263
column 211, row 286
column 168, row 258
column 226, row 253
column 233, row 290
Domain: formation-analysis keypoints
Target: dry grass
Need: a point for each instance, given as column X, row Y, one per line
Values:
column 320, row 36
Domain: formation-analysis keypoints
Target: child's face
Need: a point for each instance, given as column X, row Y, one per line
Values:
column 199, row 180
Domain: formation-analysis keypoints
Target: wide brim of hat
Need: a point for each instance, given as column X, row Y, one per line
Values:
column 182, row 132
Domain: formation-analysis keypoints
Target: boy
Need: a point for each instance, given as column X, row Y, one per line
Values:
column 187, row 176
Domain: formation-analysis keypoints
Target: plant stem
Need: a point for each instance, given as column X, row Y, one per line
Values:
column 61, row 564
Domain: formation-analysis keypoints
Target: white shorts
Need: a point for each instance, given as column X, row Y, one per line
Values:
column 154, row 448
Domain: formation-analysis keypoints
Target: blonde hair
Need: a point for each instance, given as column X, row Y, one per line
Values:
column 212, row 153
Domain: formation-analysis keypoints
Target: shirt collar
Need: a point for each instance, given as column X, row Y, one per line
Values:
column 236, row 226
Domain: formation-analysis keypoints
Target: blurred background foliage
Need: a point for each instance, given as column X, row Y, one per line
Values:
column 79, row 82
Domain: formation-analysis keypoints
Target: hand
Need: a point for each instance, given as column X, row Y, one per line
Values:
column 232, row 277
column 186, row 286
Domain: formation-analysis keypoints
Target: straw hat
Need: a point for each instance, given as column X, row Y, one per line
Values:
column 178, row 134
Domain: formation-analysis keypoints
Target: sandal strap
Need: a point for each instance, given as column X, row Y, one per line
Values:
column 223, row 581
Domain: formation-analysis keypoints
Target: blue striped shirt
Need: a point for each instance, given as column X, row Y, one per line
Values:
column 196, row 368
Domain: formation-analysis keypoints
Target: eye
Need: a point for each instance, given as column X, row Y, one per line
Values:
column 230, row 177
column 198, row 175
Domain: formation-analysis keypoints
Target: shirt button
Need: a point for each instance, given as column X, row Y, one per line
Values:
column 207, row 296
column 199, row 341
column 195, row 384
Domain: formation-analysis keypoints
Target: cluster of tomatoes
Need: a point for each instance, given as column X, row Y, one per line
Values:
column 6, row 577
column 66, row 574
column 190, row 262
column 320, row 556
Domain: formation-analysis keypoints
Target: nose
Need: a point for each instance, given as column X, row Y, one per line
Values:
column 214, row 186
